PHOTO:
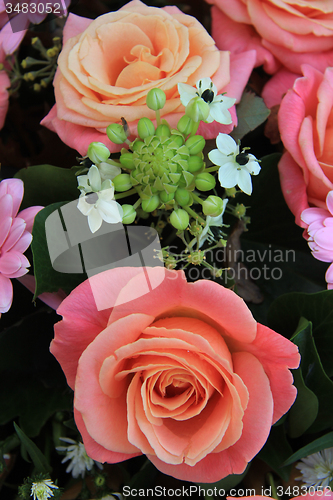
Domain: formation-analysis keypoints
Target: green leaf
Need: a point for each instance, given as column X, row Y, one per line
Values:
column 47, row 279
column 32, row 382
column 251, row 112
column 36, row 455
column 305, row 409
column 46, row 184
column 316, row 380
column 276, row 451
column 317, row 445
column 286, row 311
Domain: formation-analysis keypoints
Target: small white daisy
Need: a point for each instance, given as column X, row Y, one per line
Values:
column 317, row 469
column 236, row 167
column 42, row 490
column 218, row 104
column 99, row 204
column 79, row 460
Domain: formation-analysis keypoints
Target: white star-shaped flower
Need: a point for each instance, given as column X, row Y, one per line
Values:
column 79, row 460
column 218, row 104
column 236, row 167
column 99, row 205
column 317, row 469
column 42, row 490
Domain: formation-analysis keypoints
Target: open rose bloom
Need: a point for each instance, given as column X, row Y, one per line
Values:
column 107, row 66
column 183, row 373
column 282, row 32
column 306, row 127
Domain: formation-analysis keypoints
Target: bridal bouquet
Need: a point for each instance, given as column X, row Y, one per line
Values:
column 166, row 235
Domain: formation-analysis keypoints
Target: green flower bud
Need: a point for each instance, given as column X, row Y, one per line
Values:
column 231, row 192
column 179, row 219
column 205, row 181
column 126, row 159
column 151, row 204
column 185, row 125
column 194, row 163
column 182, row 197
column 122, row 182
column 163, row 131
column 170, row 262
column 137, row 145
column 98, row 152
column 116, row 133
column 240, row 210
column 195, row 144
column 196, row 258
column 145, row 128
column 197, row 109
column 129, row 214
column 166, row 197
column 177, row 139
column 212, row 206
column 155, row 99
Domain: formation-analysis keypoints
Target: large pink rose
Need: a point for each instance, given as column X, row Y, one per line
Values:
column 182, row 373
column 306, row 127
column 108, row 65
column 291, row 33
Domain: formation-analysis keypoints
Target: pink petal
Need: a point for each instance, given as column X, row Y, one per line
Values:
column 12, row 262
column 4, row 97
column 15, row 233
column 329, row 201
column 11, row 41
column 277, row 87
column 311, row 215
column 13, row 187
column 5, row 225
column 29, row 214
column 53, row 300
column 6, row 294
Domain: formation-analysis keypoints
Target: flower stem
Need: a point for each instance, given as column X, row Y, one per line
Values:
column 158, row 117
column 194, row 215
column 212, row 169
column 137, row 203
column 123, row 195
column 272, row 485
column 197, row 198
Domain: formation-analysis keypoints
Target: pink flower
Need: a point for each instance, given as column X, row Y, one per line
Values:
column 311, row 494
column 280, row 32
column 15, row 237
column 306, row 127
column 107, row 66
column 181, row 372
column 319, row 229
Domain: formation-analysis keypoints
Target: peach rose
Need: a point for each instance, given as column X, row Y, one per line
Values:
column 182, row 373
column 306, row 127
column 280, row 31
column 107, row 66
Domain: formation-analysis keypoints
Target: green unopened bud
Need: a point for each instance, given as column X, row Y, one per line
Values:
column 239, row 210
column 230, row 192
column 216, row 273
column 170, row 262
column 163, row 131
column 116, row 133
column 177, row 139
column 122, row 182
column 98, row 152
column 166, row 197
column 194, row 163
column 137, row 145
column 145, row 128
column 37, row 87
column 100, row 480
column 195, row 144
column 129, row 214
column 182, row 197
column 185, row 125
column 195, row 228
column 197, row 109
column 205, row 181
column 179, row 219
column 126, row 159
column 212, row 206
column 151, row 204
column 155, row 99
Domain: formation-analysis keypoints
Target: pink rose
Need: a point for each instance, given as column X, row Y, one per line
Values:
column 15, row 237
column 107, row 66
column 183, row 373
column 306, row 127
column 280, row 32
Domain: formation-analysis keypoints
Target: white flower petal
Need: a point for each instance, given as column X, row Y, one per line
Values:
column 219, row 113
column 226, row 144
column 228, row 175
column 108, row 171
column 244, row 181
column 186, row 93
column 94, row 220
column 218, row 158
column 110, row 211
column 84, row 207
column 206, row 84
column 94, row 178
column 253, row 166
